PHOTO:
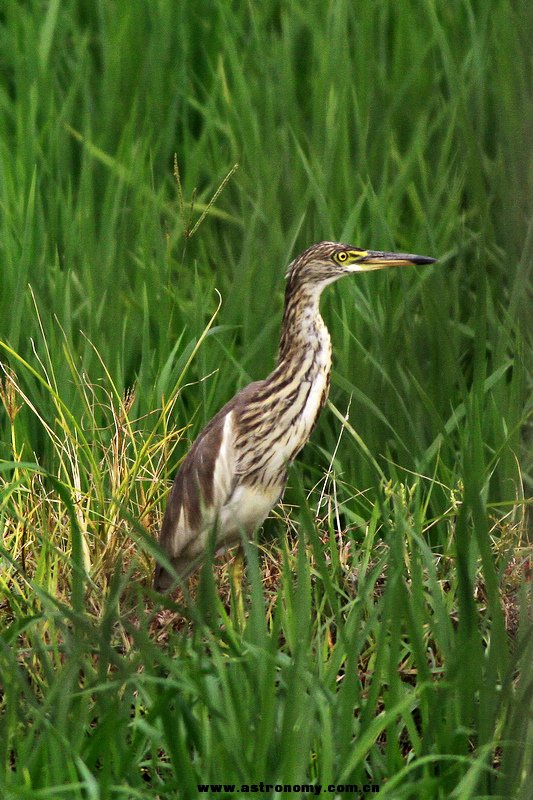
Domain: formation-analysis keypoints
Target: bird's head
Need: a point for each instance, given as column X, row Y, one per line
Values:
column 326, row 262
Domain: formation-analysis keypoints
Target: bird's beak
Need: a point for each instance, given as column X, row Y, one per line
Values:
column 376, row 259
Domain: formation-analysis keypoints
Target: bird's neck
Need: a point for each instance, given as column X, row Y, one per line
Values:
column 303, row 328
column 287, row 403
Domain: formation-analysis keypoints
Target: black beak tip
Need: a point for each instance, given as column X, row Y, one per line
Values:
column 423, row 260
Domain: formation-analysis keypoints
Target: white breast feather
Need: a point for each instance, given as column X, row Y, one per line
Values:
column 248, row 508
column 225, row 464
column 241, row 508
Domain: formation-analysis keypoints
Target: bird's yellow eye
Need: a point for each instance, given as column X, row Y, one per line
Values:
column 342, row 256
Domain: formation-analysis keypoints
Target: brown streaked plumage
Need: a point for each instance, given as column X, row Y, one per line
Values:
column 236, row 470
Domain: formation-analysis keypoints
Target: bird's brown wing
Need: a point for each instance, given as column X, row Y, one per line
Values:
column 205, row 481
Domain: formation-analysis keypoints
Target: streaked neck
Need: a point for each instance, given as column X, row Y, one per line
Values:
column 302, row 325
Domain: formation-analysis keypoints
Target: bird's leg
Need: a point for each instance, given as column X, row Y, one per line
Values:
column 236, row 577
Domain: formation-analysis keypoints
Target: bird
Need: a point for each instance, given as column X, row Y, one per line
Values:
column 236, row 470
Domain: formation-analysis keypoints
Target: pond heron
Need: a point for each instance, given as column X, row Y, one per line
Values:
column 236, row 470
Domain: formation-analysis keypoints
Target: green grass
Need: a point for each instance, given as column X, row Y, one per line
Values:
column 384, row 635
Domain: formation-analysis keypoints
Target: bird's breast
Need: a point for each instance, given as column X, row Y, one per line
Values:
column 247, row 508
column 285, row 415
